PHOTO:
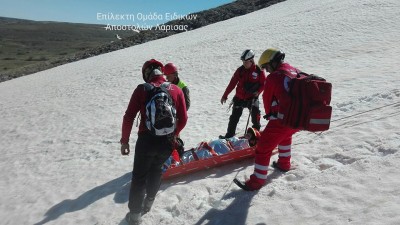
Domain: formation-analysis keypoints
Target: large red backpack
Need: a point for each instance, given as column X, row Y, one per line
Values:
column 306, row 106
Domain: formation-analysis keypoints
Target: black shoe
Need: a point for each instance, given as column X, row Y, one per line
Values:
column 258, row 127
column 148, row 202
column 133, row 218
column 276, row 166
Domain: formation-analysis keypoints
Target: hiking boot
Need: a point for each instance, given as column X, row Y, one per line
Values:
column 254, row 183
column 133, row 218
column 148, row 202
column 256, row 126
column 282, row 168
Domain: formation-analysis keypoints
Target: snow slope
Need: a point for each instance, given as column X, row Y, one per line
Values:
column 60, row 128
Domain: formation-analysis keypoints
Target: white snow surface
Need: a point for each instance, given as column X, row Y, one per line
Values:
column 60, row 129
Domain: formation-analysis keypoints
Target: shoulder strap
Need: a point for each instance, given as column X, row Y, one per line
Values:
column 288, row 74
column 258, row 69
column 310, row 76
column 147, row 86
column 165, row 84
column 313, row 76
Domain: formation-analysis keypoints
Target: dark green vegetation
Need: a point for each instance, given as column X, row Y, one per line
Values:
column 28, row 46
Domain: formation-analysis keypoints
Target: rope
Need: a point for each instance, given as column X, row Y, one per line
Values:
column 357, row 114
column 248, row 118
column 369, row 121
column 228, row 188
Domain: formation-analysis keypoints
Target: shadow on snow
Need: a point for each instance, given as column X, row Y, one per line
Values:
column 119, row 186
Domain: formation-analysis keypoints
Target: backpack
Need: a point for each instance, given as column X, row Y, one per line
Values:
column 250, row 87
column 160, row 110
column 306, row 106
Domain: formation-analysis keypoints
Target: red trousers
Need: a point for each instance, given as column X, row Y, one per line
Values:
column 272, row 136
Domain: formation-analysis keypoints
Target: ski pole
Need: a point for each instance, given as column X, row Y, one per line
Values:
column 248, row 118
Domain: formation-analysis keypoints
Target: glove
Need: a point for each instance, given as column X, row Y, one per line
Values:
column 223, row 100
column 269, row 115
column 125, row 149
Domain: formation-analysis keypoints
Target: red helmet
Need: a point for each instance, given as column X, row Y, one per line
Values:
column 252, row 135
column 152, row 62
column 169, row 69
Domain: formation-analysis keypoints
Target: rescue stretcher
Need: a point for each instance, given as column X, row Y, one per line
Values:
column 211, row 154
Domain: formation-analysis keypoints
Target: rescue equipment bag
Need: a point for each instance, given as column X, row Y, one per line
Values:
column 307, row 105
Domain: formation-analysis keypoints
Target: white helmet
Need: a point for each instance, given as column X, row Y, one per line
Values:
column 247, row 55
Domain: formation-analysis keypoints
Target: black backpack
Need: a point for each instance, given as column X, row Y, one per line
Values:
column 160, row 110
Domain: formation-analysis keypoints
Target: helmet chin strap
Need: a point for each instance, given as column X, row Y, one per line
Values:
column 272, row 65
column 146, row 78
column 149, row 76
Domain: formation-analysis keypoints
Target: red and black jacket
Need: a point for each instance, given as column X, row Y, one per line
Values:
column 247, row 83
column 138, row 104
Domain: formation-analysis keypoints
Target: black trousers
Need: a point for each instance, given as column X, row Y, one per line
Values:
column 237, row 110
column 150, row 153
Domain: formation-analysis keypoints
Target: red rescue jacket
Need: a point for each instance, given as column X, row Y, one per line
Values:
column 137, row 104
column 276, row 88
column 243, row 76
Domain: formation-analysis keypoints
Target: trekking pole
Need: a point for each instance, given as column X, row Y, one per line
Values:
column 248, row 118
column 230, row 106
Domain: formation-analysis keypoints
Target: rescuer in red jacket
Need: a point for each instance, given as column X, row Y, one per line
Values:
column 150, row 151
column 172, row 75
column 274, row 134
column 249, row 82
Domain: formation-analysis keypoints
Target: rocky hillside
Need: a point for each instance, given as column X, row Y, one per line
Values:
column 55, row 44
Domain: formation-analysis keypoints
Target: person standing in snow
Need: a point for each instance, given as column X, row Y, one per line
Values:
column 171, row 72
column 150, row 151
column 274, row 134
column 249, row 82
